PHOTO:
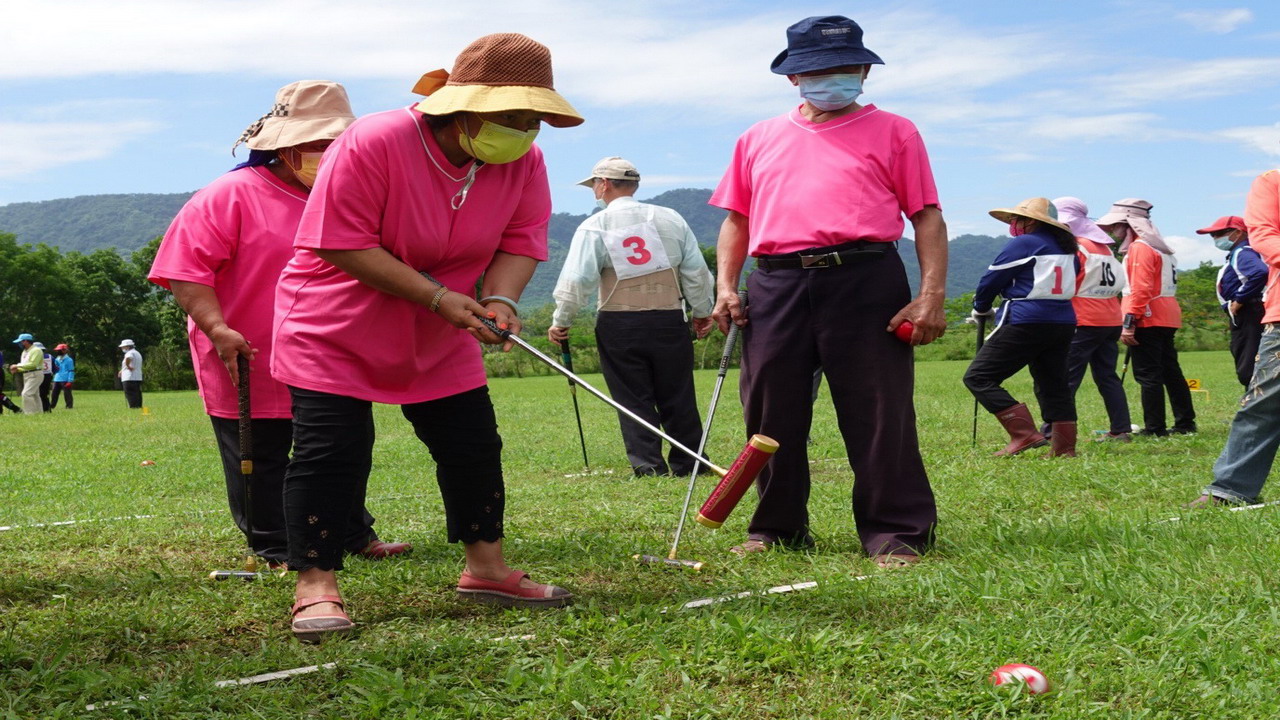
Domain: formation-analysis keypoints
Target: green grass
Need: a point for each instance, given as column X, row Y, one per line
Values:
column 1053, row 563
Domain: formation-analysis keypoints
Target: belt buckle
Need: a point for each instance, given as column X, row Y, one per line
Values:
column 814, row 262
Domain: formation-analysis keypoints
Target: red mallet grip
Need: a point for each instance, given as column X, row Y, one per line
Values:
column 741, row 474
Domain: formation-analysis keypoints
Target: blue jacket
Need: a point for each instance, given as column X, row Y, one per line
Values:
column 64, row 369
column 1037, row 279
column 1244, row 277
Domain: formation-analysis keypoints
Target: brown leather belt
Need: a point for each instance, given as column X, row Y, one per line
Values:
column 836, row 255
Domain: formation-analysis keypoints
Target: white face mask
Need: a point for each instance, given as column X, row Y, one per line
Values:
column 600, row 201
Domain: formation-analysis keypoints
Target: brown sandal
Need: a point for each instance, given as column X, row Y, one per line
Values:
column 313, row 629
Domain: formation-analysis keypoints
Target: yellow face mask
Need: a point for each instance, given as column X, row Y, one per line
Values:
column 497, row 144
column 309, row 165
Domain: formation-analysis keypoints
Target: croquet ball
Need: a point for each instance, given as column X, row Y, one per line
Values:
column 1035, row 680
column 903, row 331
column 1135, row 427
column 145, row 463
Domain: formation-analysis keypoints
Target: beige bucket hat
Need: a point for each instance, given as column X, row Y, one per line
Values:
column 1036, row 208
column 503, row 71
column 304, row 111
column 612, row 168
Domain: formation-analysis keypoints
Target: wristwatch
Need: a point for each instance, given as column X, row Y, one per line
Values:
column 1128, row 321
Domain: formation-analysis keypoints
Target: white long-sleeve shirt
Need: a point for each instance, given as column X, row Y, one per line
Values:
column 588, row 258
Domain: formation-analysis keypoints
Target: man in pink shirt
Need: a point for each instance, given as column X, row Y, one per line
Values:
column 221, row 258
column 817, row 196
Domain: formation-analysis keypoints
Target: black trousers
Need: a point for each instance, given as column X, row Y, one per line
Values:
column 132, row 393
column 45, row 386
column 647, row 361
column 333, row 440
column 272, row 439
column 1042, row 348
column 835, row 318
column 60, row 387
column 1096, row 348
column 1246, row 334
column 1156, row 368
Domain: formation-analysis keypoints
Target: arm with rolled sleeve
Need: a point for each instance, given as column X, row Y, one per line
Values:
column 696, row 282
column 1142, row 266
column 580, row 276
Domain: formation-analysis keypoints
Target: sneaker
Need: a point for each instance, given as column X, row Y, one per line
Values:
column 1175, row 430
column 1148, row 432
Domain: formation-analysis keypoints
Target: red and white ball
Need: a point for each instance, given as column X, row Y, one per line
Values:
column 1035, row 680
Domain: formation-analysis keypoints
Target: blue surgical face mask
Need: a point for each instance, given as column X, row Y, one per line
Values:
column 1223, row 243
column 830, row 92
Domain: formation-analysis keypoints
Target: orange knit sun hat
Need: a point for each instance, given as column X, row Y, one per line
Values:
column 503, row 71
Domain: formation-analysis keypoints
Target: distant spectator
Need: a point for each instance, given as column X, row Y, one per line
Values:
column 131, row 374
column 32, row 371
column 64, row 375
column 1241, row 282
column 5, row 402
column 46, row 383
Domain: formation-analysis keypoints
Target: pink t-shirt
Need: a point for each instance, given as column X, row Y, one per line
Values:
column 805, row 185
column 235, row 236
column 385, row 183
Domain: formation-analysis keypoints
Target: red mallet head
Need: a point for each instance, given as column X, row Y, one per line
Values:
column 904, row 330
column 1035, row 680
column 735, row 482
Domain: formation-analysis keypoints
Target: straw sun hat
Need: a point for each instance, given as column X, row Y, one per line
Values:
column 1037, row 208
column 304, row 111
column 503, row 71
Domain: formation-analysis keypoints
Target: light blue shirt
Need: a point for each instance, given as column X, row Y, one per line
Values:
column 66, row 369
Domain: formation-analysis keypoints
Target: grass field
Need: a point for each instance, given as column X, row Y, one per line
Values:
column 1059, row 564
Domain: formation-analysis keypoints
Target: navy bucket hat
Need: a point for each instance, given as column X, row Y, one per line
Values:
column 818, row 43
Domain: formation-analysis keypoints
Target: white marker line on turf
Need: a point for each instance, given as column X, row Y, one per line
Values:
column 590, row 473
column 1237, row 508
column 278, row 675
column 778, row 590
column 513, row 638
column 63, row 523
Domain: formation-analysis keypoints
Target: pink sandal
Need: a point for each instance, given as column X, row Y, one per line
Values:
column 509, row 593
column 313, row 629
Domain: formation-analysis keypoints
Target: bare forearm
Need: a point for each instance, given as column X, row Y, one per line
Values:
column 201, row 303
column 381, row 270
column 507, row 275
column 731, row 252
column 931, row 252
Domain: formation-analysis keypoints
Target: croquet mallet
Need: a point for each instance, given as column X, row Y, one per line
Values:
column 1128, row 353
column 251, row 562
column 566, row 358
column 730, row 342
column 744, row 469
column 982, row 327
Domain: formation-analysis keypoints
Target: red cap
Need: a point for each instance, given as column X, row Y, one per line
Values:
column 1226, row 222
column 62, row 346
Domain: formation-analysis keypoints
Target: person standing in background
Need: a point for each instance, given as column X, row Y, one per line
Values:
column 647, row 265
column 31, row 370
column 46, row 382
column 130, row 374
column 1241, row 283
column 1151, row 317
column 1097, row 307
column 64, row 376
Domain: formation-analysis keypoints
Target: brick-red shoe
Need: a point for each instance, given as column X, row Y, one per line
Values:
column 378, row 549
column 509, row 592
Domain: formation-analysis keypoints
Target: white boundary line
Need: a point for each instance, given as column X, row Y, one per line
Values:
column 1237, row 508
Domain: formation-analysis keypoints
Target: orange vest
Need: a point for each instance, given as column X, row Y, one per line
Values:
column 1152, row 282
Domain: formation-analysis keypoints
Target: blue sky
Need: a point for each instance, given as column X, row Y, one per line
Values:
column 1174, row 102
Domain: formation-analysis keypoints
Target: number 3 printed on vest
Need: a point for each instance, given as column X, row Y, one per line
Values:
column 636, row 250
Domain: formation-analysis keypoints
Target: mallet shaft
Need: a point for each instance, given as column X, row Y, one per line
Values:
column 508, row 335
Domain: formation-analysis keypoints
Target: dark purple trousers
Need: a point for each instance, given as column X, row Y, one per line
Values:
column 835, row 318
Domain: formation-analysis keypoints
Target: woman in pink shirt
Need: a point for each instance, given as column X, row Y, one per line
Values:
column 411, row 208
column 221, row 257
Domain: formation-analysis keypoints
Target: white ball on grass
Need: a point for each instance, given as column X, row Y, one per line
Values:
column 1035, row 680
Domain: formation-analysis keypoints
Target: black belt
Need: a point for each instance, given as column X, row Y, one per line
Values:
column 819, row 258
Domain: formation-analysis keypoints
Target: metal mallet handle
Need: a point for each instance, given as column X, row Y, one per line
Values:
column 508, row 335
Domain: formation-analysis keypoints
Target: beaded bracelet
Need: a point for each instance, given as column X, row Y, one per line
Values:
column 435, row 299
column 504, row 300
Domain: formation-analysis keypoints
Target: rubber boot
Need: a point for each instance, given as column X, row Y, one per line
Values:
column 9, row 405
column 1064, row 440
column 1017, row 421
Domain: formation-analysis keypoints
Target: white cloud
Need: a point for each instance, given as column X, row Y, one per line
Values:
column 1183, row 82
column 1127, row 126
column 30, row 147
column 1265, row 138
column 1191, row 251
column 1219, row 22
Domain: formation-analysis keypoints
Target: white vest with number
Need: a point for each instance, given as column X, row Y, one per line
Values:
column 1054, row 279
column 1168, row 273
column 636, row 249
column 1103, row 276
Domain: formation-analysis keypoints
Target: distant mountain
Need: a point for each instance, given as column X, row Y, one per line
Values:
column 127, row 222
column 89, row 222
